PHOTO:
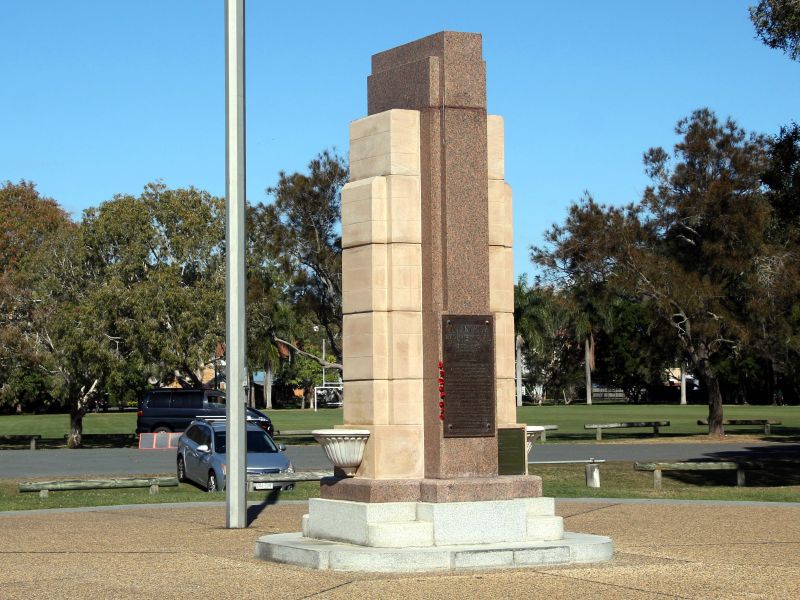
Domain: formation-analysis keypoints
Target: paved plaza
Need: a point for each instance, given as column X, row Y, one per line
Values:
column 676, row 550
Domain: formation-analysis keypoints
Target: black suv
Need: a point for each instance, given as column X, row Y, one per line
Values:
column 170, row 409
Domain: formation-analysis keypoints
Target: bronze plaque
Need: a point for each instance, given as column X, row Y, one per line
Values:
column 511, row 451
column 469, row 402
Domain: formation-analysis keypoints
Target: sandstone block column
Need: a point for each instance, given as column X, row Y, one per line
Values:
column 382, row 299
column 501, row 273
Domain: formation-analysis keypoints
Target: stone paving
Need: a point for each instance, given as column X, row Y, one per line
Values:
column 679, row 550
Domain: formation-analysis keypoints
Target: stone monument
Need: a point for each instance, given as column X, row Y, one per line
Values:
column 428, row 341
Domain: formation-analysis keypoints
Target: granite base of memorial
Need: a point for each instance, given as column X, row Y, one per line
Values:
column 428, row 536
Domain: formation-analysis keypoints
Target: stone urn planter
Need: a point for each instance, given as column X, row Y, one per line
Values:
column 343, row 447
column 532, row 433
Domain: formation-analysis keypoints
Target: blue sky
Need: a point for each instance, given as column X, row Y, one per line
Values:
column 100, row 97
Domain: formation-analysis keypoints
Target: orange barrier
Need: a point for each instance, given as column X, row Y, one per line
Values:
column 159, row 441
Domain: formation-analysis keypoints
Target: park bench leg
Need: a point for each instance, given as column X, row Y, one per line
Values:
column 153, row 489
column 657, row 479
column 655, row 430
column 740, row 477
column 43, row 493
column 593, row 475
column 33, row 443
column 766, row 428
column 599, row 435
column 543, row 439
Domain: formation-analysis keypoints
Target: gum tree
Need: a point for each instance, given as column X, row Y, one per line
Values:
column 690, row 248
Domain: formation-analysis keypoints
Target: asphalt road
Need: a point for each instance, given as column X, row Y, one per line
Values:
column 18, row 464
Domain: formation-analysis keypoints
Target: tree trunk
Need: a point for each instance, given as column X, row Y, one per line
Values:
column 75, row 437
column 251, row 391
column 772, row 383
column 710, row 383
column 588, row 362
column 76, row 413
column 268, row 387
column 683, row 384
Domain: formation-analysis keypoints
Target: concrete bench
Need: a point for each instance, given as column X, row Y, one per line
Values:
column 592, row 468
column 22, row 438
column 267, row 481
column 600, row 426
column 658, row 467
column 44, row 487
column 765, row 423
column 545, row 429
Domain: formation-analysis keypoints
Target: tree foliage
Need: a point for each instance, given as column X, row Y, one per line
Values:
column 302, row 226
column 134, row 292
column 546, row 322
column 689, row 249
column 777, row 24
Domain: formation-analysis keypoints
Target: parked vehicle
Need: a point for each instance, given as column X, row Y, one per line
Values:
column 168, row 409
column 202, row 459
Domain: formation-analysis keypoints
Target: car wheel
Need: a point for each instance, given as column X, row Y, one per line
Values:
column 162, row 429
column 181, row 470
column 212, row 485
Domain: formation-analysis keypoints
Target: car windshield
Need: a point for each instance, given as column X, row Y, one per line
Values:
column 257, row 441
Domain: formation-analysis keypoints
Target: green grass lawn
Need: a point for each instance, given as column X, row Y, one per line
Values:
column 57, row 425
column 619, row 480
column 683, row 420
column 570, row 420
column 781, row 483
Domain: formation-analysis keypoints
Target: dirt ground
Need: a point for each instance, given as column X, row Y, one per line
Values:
column 661, row 551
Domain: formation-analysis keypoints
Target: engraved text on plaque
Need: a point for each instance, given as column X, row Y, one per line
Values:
column 469, row 374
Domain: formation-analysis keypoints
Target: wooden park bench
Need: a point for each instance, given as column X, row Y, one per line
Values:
column 658, row 467
column 21, row 438
column 765, row 423
column 109, row 438
column 592, row 468
column 43, row 487
column 600, row 426
column 267, row 481
column 293, row 433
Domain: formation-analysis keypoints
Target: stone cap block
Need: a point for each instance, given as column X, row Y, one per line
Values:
column 387, row 143
column 472, row 489
column 445, row 68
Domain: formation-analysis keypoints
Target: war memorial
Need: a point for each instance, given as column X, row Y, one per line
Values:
column 431, row 464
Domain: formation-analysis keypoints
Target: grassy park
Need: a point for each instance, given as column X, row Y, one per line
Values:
column 570, row 420
column 619, row 480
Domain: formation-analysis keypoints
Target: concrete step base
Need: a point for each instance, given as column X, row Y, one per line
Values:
column 420, row 524
column 542, row 529
column 294, row 549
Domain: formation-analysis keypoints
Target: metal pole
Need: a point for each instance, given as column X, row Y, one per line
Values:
column 519, row 343
column 683, row 383
column 236, row 363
